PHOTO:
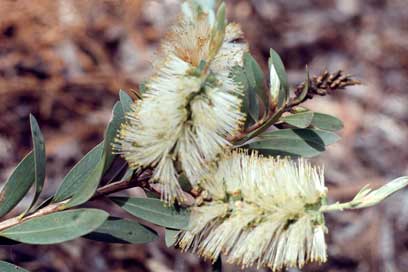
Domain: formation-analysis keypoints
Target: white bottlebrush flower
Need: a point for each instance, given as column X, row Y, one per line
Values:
column 191, row 104
column 267, row 212
column 263, row 212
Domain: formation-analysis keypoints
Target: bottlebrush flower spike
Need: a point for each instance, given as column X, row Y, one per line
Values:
column 264, row 212
column 191, row 104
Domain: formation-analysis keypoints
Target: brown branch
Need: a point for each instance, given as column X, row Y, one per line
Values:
column 140, row 181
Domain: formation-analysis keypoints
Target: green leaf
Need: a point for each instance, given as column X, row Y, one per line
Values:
column 87, row 187
column 122, row 231
column 170, row 236
column 8, row 267
column 326, row 122
column 305, row 89
column 255, row 77
column 126, row 101
column 250, row 103
column 299, row 120
column 218, row 32
column 111, row 133
column 217, row 266
column 294, row 142
column 276, row 61
column 17, row 184
column 76, row 177
column 56, row 227
column 39, row 160
column 153, row 210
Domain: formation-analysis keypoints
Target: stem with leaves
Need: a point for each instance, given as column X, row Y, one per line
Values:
column 323, row 84
column 139, row 181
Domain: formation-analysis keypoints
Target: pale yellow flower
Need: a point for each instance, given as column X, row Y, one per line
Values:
column 263, row 212
column 191, row 104
column 267, row 212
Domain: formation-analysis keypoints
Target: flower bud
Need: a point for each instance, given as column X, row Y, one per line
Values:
column 274, row 84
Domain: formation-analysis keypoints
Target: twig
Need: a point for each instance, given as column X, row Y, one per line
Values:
column 141, row 180
column 321, row 85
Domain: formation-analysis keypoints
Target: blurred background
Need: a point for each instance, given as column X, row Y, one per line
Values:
column 66, row 60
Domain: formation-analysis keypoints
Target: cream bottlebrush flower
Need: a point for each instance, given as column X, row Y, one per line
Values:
column 263, row 212
column 191, row 104
column 267, row 212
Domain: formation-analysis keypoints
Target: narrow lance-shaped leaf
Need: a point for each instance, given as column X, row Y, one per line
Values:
column 17, row 184
column 250, row 103
column 126, row 101
column 293, row 142
column 91, row 182
column 111, row 132
column 8, row 267
column 218, row 32
column 170, row 236
column 154, row 211
column 367, row 197
column 56, row 227
column 82, row 181
column 39, row 160
column 88, row 187
column 305, row 89
column 122, row 231
column 326, row 122
column 299, row 120
column 73, row 181
column 255, row 78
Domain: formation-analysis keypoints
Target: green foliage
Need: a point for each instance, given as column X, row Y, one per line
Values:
column 218, row 31
column 76, row 178
column 294, row 142
column 111, row 132
column 17, row 184
column 82, row 181
column 255, row 78
column 122, row 231
column 39, row 159
column 126, row 101
column 56, row 227
column 170, row 236
column 154, row 211
column 8, row 267
column 326, row 122
column 299, row 120
column 88, row 186
column 251, row 78
column 250, row 102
